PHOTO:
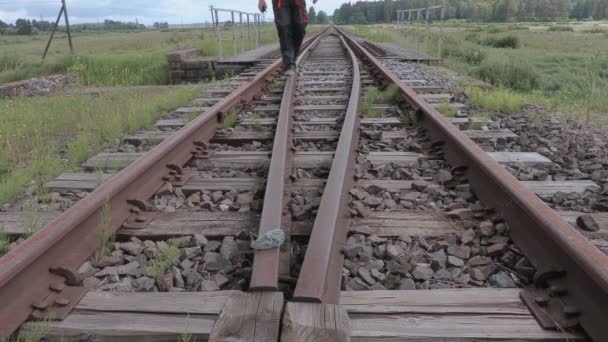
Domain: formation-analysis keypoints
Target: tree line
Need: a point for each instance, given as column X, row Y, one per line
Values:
column 363, row 12
column 27, row 27
column 317, row 18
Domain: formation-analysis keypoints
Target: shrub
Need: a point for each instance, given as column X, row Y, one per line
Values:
column 469, row 55
column 515, row 75
column 509, row 41
column 559, row 28
column 499, row 100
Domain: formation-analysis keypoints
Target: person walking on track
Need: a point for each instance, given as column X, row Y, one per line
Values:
column 291, row 20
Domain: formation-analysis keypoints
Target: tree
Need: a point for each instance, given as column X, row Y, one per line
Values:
column 322, row 18
column 312, row 15
column 3, row 26
column 24, row 26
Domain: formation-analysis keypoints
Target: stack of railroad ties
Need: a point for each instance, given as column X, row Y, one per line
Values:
column 37, row 278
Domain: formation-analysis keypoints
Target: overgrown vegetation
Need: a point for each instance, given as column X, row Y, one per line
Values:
column 42, row 137
column 230, row 119
column 559, row 28
column 4, row 242
column 563, row 70
column 447, row 110
column 498, row 100
column 108, row 58
column 375, row 96
column 106, row 232
column 162, row 261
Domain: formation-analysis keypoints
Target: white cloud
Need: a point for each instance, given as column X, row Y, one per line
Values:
column 146, row 11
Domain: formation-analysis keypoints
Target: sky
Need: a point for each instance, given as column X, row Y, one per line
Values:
column 145, row 11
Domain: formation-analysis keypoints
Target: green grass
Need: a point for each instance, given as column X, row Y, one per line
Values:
column 230, row 119
column 162, row 262
column 42, row 137
column 559, row 28
column 4, row 242
column 497, row 100
column 564, row 70
column 376, row 96
column 447, row 110
column 109, row 58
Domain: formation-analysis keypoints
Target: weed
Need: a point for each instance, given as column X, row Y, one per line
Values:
column 106, row 232
column 33, row 332
column 4, row 242
column 275, row 85
column 257, row 124
column 499, row 100
column 229, row 120
column 163, row 260
column 411, row 118
column 32, row 220
column 36, row 133
column 560, row 28
column 516, row 75
column 186, row 336
column 447, row 110
column 509, row 41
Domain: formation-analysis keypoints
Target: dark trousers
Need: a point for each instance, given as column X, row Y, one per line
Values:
column 291, row 20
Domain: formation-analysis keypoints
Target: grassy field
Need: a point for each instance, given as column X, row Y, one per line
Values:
column 563, row 66
column 42, row 137
column 112, row 58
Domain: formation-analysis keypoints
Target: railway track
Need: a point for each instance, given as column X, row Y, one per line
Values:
column 393, row 225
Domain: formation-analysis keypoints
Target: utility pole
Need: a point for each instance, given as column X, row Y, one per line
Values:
column 63, row 11
column 387, row 15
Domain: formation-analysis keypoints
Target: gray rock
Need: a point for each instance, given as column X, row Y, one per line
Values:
column 213, row 246
column 442, row 275
column 379, row 276
column 132, row 248
column 443, row 176
column 181, row 242
column 356, row 284
column 91, row 283
column 200, row 240
column 502, row 280
column 423, row 272
column 420, row 185
column 463, row 279
column 215, row 262
column 208, row 286
column 230, row 248
column 407, row 284
column 193, row 279
column 497, row 249
column 393, row 251
column 366, row 276
column 130, row 269
column 124, row 285
column 220, row 279
column 192, row 252
column 460, row 214
column 392, row 281
column 467, row 236
column 455, row 261
column 395, row 267
column 144, row 284
column 165, row 282
column 486, row 229
column 272, row 239
column 462, row 252
column 178, row 279
column 587, row 222
column 479, row 261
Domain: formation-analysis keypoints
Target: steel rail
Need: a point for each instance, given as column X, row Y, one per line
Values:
column 265, row 270
column 572, row 268
column 321, row 270
column 26, row 276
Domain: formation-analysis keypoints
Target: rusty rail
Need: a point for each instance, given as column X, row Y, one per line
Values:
column 265, row 270
column 572, row 273
column 321, row 271
column 38, row 273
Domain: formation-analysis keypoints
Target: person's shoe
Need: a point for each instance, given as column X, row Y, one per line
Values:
column 290, row 71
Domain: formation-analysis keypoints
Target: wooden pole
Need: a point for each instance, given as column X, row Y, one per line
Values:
column 67, row 25
column 48, row 44
column 219, row 36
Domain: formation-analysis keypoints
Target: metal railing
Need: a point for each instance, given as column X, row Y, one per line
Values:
column 417, row 17
column 244, row 29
